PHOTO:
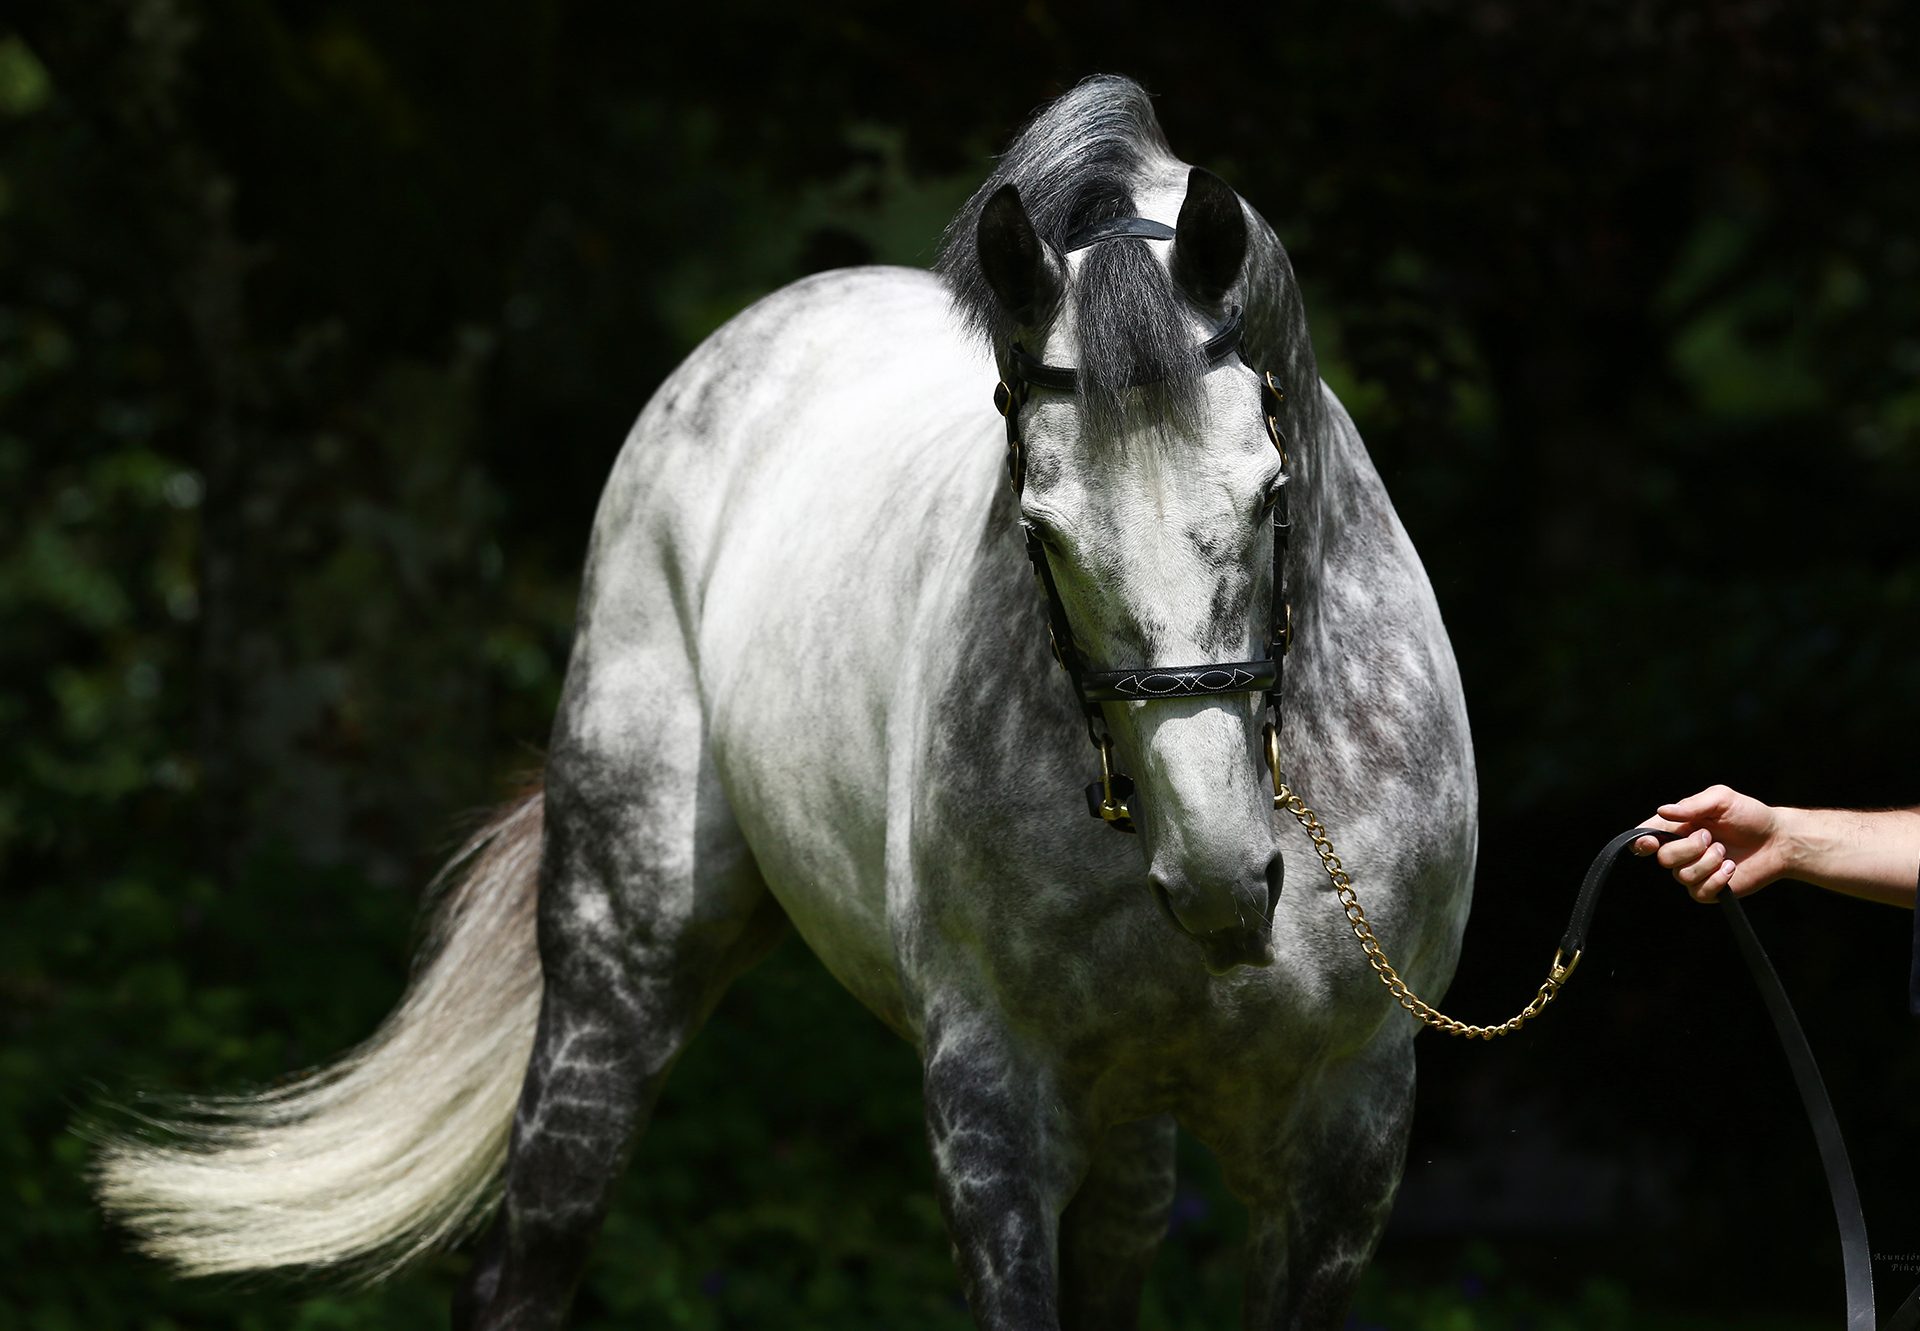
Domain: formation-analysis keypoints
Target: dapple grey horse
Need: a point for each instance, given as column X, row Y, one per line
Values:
column 811, row 688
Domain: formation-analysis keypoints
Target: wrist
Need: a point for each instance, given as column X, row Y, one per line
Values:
column 1799, row 837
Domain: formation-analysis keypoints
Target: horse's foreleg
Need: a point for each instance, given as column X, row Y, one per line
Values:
column 1006, row 1158
column 1321, row 1197
column 1114, row 1225
column 649, row 906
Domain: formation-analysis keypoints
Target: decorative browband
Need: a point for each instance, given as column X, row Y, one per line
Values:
column 1146, row 682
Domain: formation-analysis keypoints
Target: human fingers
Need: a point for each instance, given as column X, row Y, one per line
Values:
column 1694, row 876
column 1647, row 845
column 1715, row 882
column 1678, row 854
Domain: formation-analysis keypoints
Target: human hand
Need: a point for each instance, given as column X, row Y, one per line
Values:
column 1725, row 838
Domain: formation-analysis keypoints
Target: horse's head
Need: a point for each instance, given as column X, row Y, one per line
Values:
column 1149, row 484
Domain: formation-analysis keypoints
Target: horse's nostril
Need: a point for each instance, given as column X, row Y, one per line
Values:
column 1165, row 902
column 1276, row 878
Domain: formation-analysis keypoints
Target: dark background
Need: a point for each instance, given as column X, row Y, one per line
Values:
column 320, row 325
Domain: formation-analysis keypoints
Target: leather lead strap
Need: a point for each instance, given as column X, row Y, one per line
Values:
column 1909, row 1315
column 1575, row 938
column 1856, row 1257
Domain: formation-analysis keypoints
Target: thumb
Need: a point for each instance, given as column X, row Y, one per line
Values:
column 1711, row 803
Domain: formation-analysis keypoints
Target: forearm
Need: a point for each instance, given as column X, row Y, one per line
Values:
column 1872, row 853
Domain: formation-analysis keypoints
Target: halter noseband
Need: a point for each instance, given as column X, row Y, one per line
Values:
column 1107, row 797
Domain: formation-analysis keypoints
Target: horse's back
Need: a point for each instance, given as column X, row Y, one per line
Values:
column 813, row 361
column 790, row 442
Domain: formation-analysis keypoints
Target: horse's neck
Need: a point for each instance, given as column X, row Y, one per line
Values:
column 1371, row 681
column 1334, row 484
column 1329, row 464
column 1276, row 337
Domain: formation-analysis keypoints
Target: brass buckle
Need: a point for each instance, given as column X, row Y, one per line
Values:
column 1562, row 968
column 1274, row 432
column 1270, row 738
column 1107, row 797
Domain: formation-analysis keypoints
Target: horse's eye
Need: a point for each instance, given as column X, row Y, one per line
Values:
column 1039, row 527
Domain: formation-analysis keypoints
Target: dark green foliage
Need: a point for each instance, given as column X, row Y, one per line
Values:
column 320, row 325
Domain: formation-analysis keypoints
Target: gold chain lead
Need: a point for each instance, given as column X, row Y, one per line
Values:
column 1284, row 798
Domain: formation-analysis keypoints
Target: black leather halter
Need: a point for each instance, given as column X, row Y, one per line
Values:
column 1107, row 797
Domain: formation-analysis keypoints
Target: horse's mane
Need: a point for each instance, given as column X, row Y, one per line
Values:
column 1077, row 162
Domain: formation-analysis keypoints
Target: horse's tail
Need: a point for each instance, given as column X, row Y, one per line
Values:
column 390, row 1151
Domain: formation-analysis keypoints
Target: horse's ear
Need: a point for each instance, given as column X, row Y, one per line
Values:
column 1210, row 239
column 1021, row 268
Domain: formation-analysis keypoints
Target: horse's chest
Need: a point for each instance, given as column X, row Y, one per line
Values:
column 1131, row 1009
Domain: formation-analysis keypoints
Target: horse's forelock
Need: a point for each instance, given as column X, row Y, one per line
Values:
column 1134, row 328
column 1077, row 162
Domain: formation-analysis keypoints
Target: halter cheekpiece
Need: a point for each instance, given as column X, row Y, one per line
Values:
column 1107, row 797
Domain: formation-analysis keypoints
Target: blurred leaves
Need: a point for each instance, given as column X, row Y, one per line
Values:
column 320, row 325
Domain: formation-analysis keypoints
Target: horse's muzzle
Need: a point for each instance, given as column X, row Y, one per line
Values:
column 1230, row 934
column 1228, row 949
